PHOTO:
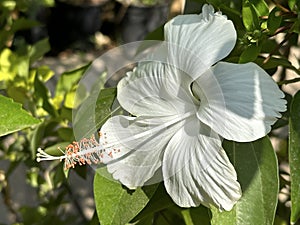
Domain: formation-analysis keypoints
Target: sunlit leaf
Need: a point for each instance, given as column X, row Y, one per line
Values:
column 45, row 72
column 292, row 4
column 7, row 68
column 8, row 4
column 22, row 64
column 115, row 204
column 294, row 157
column 250, row 17
column 67, row 80
column 261, row 7
column 67, row 86
column 13, row 117
column 257, row 170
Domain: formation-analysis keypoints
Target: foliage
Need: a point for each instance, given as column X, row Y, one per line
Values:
column 45, row 120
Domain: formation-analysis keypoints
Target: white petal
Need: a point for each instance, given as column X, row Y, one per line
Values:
column 239, row 101
column 151, row 89
column 196, row 42
column 135, row 146
column 197, row 171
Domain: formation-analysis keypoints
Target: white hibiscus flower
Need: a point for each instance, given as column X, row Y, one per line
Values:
column 181, row 110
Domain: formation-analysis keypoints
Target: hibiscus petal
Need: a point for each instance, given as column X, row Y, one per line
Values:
column 152, row 90
column 196, row 42
column 135, row 147
column 197, row 171
column 239, row 101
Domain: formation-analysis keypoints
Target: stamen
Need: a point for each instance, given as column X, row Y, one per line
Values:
column 88, row 150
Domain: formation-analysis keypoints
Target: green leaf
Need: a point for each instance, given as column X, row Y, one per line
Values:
column 38, row 50
column 292, row 4
column 8, row 5
column 54, row 149
column 145, row 221
column 257, row 170
column 36, row 138
column 66, row 87
column 274, row 20
column 171, row 215
column 18, row 93
column 12, row 64
column 13, row 117
column 233, row 13
column 250, row 17
column 159, row 201
column 45, row 73
column 43, row 93
column 104, row 105
column 249, row 54
column 66, row 133
column 261, row 7
column 93, row 112
column 294, row 157
column 296, row 26
column 23, row 24
column 157, row 34
column 115, row 204
column 68, row 79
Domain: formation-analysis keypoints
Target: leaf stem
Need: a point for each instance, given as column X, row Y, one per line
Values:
column 187, row 217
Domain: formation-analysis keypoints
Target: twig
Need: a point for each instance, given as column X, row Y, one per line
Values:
column 287, row 37
column 281, row 29
column 289, row 81
column 8, row 202
column 280, row 6
column 76, row 203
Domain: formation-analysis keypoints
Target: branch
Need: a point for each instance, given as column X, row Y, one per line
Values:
column 284, row 82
